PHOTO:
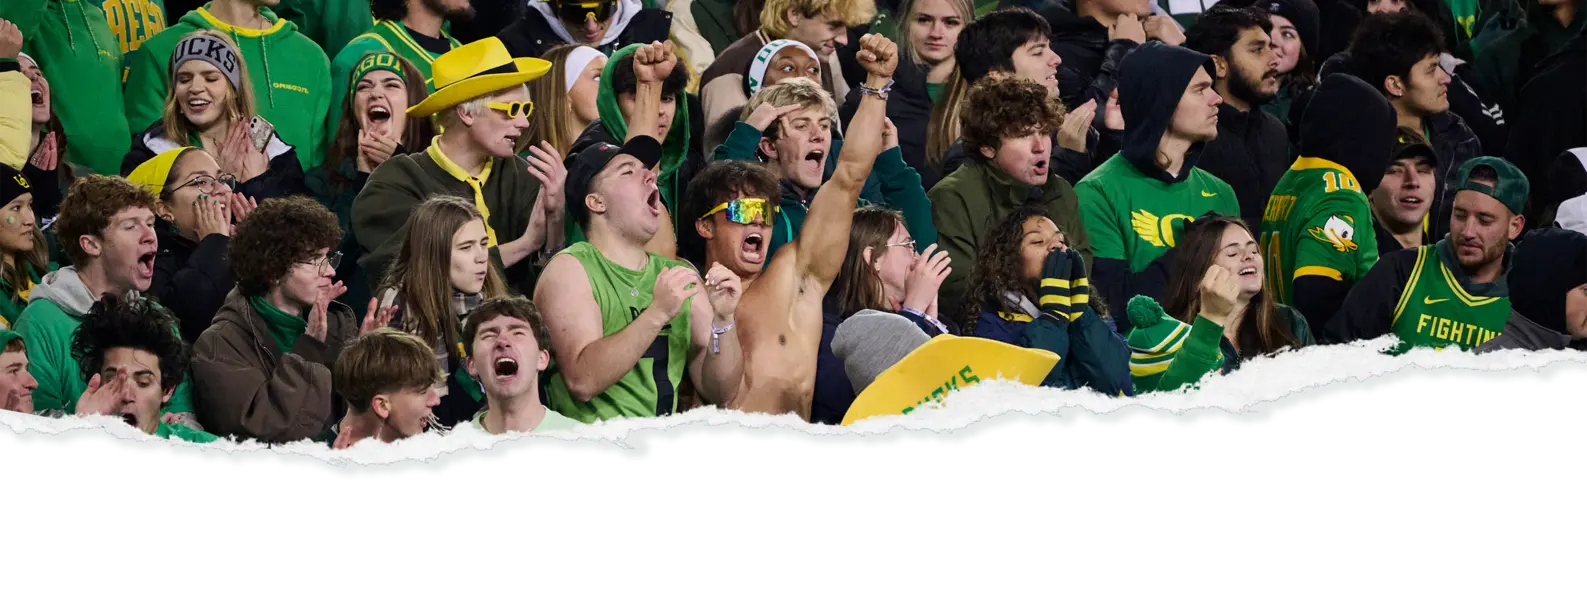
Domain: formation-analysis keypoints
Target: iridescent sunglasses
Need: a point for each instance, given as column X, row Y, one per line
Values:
column 577, row 11
column 746, row 211
column 514, row 110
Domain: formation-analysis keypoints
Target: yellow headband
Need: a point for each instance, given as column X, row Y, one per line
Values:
column 152, row 174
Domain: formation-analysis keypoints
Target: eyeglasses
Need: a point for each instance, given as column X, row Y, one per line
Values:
column 746, row 211
column 514, row 110
column 333, row 260
column 907, row 243
column 206, row 183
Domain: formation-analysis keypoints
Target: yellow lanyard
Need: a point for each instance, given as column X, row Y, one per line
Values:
column 455, row 171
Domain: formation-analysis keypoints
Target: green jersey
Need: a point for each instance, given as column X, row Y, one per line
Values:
column 1436, row 310
column 1132, row 217
column 650, row 388
column 1310, row 227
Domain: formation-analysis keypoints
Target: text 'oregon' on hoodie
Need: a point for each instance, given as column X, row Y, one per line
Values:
column 289, row 74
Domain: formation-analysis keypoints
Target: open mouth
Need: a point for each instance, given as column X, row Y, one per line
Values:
column 1040, row 169
column 38, row 96
column 197, row 105
column 1249, row 271
column 378, row 114
column 505, row 366
column 146, row 265
column 654, row 202
column 753, row 248
column 131, row 419
column 813, row 160
column 1412, row 201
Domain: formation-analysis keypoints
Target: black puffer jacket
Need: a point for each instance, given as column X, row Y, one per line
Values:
column 1090, row 60
column 1250, row 153
column 909, row 106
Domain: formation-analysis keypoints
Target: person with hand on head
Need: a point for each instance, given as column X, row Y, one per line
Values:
column 1454, row 292
column 788, row 127
column 1132, row 203
column 79, row 52
column 1314, row 229
column 387, row 378
column 263, row 368
column 1252, row 147
column 210, row 106
column 374, row 127
column 820, row 25
column 1012, row 168
column 482, row 106
column 133, row 360
column 618, row 103
column 605, row 25
column 1014, row 43
column 107, row 232
column 1218, row 292
column 881, row 271
column 23, row 250
column 443, row 274
column 777, row 62
column 784, row 295
column 567, row 96
column 1548, row 294
column 197, row 212
column 288, row 83
column 507, row 349
column 629, row 322
column 16, row 384
column 1401, row 201
column 1399, row 55
column 415, row 31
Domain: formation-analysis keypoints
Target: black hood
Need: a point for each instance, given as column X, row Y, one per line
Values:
column 1152, row 79
column 1349, row 123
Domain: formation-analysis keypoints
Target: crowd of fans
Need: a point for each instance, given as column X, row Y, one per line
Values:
column 279, row 220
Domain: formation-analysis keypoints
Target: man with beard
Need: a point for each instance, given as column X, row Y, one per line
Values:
column 782, row 329
column 411, row 29
column 605, row 25
column 483, row 109
column 1454, row 292
column 130, row 355
column 1401, row 201
column 1309, row 233
column 1252, row 147
column 506, row 344
column 629, row 323
column 1132, row 203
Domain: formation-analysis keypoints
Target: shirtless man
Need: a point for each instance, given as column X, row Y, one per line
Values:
column 780, row 319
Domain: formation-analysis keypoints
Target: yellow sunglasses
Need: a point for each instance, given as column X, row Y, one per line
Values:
column 746, row 211
column 514, row 110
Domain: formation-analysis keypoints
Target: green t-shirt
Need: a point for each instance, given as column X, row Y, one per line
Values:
column 173, row 431
column 1310, row 227
column 1436, row 310
column 1130, row 216
column 551, row 422
column 934, row 92
column 650, row 388
column 284, row 328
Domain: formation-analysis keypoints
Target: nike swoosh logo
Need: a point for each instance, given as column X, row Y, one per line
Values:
column 1206, row 194
column 1431, row 300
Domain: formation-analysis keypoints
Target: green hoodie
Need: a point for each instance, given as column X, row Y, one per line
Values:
column 81, row 57
column 290, row 75
column 674, row 150
column 55, row 309
column 384, row 36
column 133, row 21
column 12, row 301
column 329, row 23
column 1505, row 64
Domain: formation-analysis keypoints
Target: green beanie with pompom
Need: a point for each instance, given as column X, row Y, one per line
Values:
column 1154, row 341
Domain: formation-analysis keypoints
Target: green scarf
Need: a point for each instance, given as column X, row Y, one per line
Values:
column 284, row 328
column 673, row 150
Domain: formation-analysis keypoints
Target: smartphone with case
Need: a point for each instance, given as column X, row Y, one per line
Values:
column 260, row 131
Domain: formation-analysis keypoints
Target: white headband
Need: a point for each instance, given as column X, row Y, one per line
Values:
column 762, row 61
column 575, row 64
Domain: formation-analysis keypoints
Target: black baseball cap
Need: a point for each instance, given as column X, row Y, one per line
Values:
column 1409, row 143
column 584, row 165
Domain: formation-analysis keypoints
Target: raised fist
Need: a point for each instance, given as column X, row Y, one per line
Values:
column 654, row 62
column 878, row 55
column 10, row 40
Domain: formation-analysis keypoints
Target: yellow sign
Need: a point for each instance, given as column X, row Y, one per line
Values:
column 944, row 365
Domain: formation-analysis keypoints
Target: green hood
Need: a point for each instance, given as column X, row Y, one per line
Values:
column 200, row 18
column 673, row 150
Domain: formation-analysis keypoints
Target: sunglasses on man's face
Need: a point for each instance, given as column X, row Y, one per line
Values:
column 514, row 110
column 746, row 211
column 580, row 12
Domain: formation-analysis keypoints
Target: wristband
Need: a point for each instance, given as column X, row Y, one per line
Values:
column 880, row 93
column 716, row 335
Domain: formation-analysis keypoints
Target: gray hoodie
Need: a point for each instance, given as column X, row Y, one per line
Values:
column 66, row 289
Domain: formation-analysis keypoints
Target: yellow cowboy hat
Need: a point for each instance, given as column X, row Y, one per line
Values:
column 474, row 70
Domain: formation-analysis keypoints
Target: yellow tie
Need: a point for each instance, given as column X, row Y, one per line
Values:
column 455, row 171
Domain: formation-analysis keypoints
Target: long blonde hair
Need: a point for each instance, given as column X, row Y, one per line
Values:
column 553, row 112
column 421, row 274
column 943, row 128
column 239, row 104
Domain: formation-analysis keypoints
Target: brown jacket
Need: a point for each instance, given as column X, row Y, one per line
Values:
column 243, row 388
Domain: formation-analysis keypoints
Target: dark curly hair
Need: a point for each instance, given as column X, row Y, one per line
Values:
column 1391, row 45
column 130, row 321
column 517, row 307
column 89, row 205
column 1007, row 107
column 280, row 233
column 999, row 266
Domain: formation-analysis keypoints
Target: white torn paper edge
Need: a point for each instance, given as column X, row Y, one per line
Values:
column 1257, row 381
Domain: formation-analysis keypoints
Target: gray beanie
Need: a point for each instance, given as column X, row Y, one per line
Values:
column 871, row 341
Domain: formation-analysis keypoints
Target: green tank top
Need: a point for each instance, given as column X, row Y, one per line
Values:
column 1436, row 311
column 650, row 388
